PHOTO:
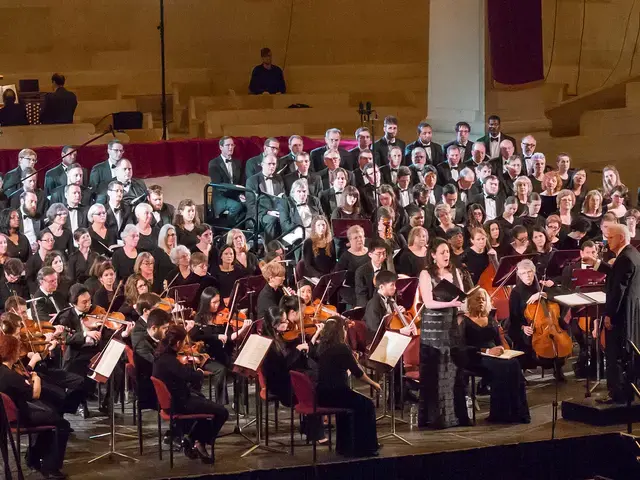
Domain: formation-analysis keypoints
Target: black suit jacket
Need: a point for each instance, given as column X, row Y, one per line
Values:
column 381, row 150
column 373, row 314
column 286, row 165
column 137, row 191
column 313, row 180
column 324, row 177
column 76, row 343
column 317, row 158
column 143, row 357
column 486, row 139
column 253, row 166
column 38, row 223
column 364, row 283
column 289, row 216
column 437, row 157
column 328, row 201
column 467, row 149
column 83, row 221
column 58, row 107
column 112, row 223
column 57, row 177
column 218, row 173
column 166, row 216
column 266, row 202
column 444, row 173
column 12, row 181
column 352, row 163
column 57, row 195
column 101, row 173
column 13, row 115
column 623, row 290
column 7, row 289
column 481, row 200
column 45, row 308
column 41, row 207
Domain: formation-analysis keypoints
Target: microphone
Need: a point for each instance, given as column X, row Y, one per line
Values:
column 361, row 108
column 369, row 108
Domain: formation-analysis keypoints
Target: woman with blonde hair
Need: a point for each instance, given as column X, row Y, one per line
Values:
column 565, row 200
column 592, row 212
column 481, row 334
column 610, row 180
column 145, row 267
column 318, row 251
column 244, row 258
column 413, row 259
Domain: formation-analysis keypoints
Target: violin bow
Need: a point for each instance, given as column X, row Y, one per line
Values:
column 324, row 294
column 162, row 294
column 236, row 286
column 188, row 340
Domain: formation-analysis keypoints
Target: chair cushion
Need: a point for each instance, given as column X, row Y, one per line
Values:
column 39, row 428
column 186, row 416
column 304, row 410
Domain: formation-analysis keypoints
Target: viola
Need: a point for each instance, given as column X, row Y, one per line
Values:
column 293, row 332
column 499, row 295
column 401, row 319
column 223, row 317
column 548, row 338
column 192, row 353
column 97, row 317
column 319, row 312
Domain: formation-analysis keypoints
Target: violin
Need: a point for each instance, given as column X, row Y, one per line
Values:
column 548, row 340
column 294, row 333
column 97, row 317
column 192, row 353
column 224, row 317
column 400, row 319
column 318, row 312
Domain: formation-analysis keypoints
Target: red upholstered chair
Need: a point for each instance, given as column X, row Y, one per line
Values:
column 11, row 412
column 267, row 397
column 411, row 360
column 305, row 394
column 165, row 412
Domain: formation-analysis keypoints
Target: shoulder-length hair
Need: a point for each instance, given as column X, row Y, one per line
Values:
column 321, row 241
column 178, row 219
column 354, row 192
column 588, row 198
column 547, row 177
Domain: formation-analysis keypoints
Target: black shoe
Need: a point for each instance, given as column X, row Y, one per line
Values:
column 32, row 462
column 83, row 411
column 609, row 400
column 559, row 376
column 177, row 442
column 104, row 409
column 205, row 457
column 188, row 449
column 54, row 475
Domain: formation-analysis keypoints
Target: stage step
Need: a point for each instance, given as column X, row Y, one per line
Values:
column 587, row 410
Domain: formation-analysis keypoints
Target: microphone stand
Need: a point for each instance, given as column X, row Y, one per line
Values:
column 108, row 131
column 163, row 73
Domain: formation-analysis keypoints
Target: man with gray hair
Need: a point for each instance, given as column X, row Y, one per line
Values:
column 287, row 164
column 298, row 210
column 622, row 307
column 332, row 139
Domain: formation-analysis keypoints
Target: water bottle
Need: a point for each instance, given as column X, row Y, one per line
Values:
column 413, row 415
column 469, row 407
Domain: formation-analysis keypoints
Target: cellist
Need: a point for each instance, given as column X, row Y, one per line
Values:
column 526, row 292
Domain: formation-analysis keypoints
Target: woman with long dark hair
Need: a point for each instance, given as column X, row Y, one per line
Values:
column 184, row 383
column 335, row 359
column 18, row 245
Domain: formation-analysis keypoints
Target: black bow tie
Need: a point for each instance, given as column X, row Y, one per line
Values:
column 112, row 166
column 82, row 315
column 227, row 160
column 268, row 178
column 72, row 208
column 116, row 210
column 495, row 139
column 302, row 176
column 492, row 197
column 426, row 145
column 126, row 184
column 25, row 216
column 394, row 170
column 301, row 204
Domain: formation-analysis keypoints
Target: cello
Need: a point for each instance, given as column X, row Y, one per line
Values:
column 499, row 295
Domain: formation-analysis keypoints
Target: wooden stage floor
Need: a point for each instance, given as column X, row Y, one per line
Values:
column 228, row 450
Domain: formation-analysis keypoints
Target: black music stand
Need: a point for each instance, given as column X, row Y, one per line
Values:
column 406, row 291
column 447, row 291
column 506, row 273
column 186, row 293
column 355, row 313
column 334, row 280
column 341, row 225
column 560, row 259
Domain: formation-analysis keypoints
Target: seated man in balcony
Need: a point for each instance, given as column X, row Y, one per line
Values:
column 12, row 113
column 267, row 77
column 59, row 106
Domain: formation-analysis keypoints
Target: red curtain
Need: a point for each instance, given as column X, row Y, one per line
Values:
column 515, row 39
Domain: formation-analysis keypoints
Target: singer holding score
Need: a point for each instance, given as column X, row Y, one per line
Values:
column 622, row 308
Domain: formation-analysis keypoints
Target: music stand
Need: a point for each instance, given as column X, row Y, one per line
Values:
column 186, row 293
column 406, row 291
column 355, row 313
column 506, row 273
column 101, row 374
column 336, row 279
column 560, row 259
column 341, row 225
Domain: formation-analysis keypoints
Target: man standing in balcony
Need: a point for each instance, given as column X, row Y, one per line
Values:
column 59, row 106
column 267, row 77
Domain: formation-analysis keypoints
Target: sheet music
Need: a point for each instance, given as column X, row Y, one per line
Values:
column 598, row 297
column 109, row 358
column 253, row 352
column 314, row 280
column 390, row 349
column 9, row 87
column 582, row 299
column 506, row 355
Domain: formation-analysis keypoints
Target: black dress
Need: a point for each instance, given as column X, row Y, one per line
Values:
column 184, row 384
column 21, row 250
column 148, row 243
column 99, row 244
column 350, row 262
column 63, row 243
column 123, row 264
column 268, row 297
column 79, row 266
column 476, row 263
column 333, row 391
column 226, row 280
column 409, row 263
column 186, row 237
column 252, row 265
column 319, row 264
column 508, row 391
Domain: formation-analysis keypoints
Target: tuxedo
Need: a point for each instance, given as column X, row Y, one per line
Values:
column 386, row 174
column 481, row 200
column 78, row 351
column 12, row 180
column 368, row 200
column 289, row 215
column 137, row 190
column 143, row 356
column 317, row 158
column 436, row 158
column 486, row 139
column 126, row 217
column 57, row 195
column 313, row 180
column 328, row 201
column 359, row 179
column 41, row 207
column 36, row 221
column 81, row 215
column 429, row 216
column 445, row 175
column 324, row 178
column 166, row 216
column 58, row 107
column 353, row 162
column 473, row 165
column 260, row 206
column 468, row 148
column 253, row 166
column 57, row 177
column 286, row 165
column 101, row 173
column 7, row 289
column 381, row 150
column 364, row 283
column 459, row 211
column 227, row 200
column 498, row 166
column 49, row 305
column 376, row 309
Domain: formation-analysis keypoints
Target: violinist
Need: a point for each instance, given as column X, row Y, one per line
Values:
column 305, row 292
column 48, row 300
column 12, row 281
column 107, row 276
column 33, row 412
column 271, row 293
column 81, row 259
column 144, row 304
column 476, row 257
column 65, row 391
column 365, row 274
column 527, row 292
column 227, row 271
column 136, row 285
column 218, row 339
column 184, row 384
column 479, row 332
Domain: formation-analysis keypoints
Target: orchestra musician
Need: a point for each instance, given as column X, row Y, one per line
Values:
column 480, row 334
column 48, row 301
column 32, row 412
column 270, row 295
column 184, row 383
column 365, row 274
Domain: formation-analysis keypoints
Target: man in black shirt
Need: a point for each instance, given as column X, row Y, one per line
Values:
column 267, row 77
column 59, row 106
column 271, row 293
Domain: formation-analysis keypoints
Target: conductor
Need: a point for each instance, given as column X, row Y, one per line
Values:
column 622, row 308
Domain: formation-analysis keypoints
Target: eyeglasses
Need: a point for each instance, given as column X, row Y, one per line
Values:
column 148, row 263
column 119, row 150
column 530, row 145
column 117, row 190
column 171, row 234
column 101, row 213
column 62, row 214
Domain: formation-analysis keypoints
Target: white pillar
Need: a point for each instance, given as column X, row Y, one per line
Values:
column 456, row 67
